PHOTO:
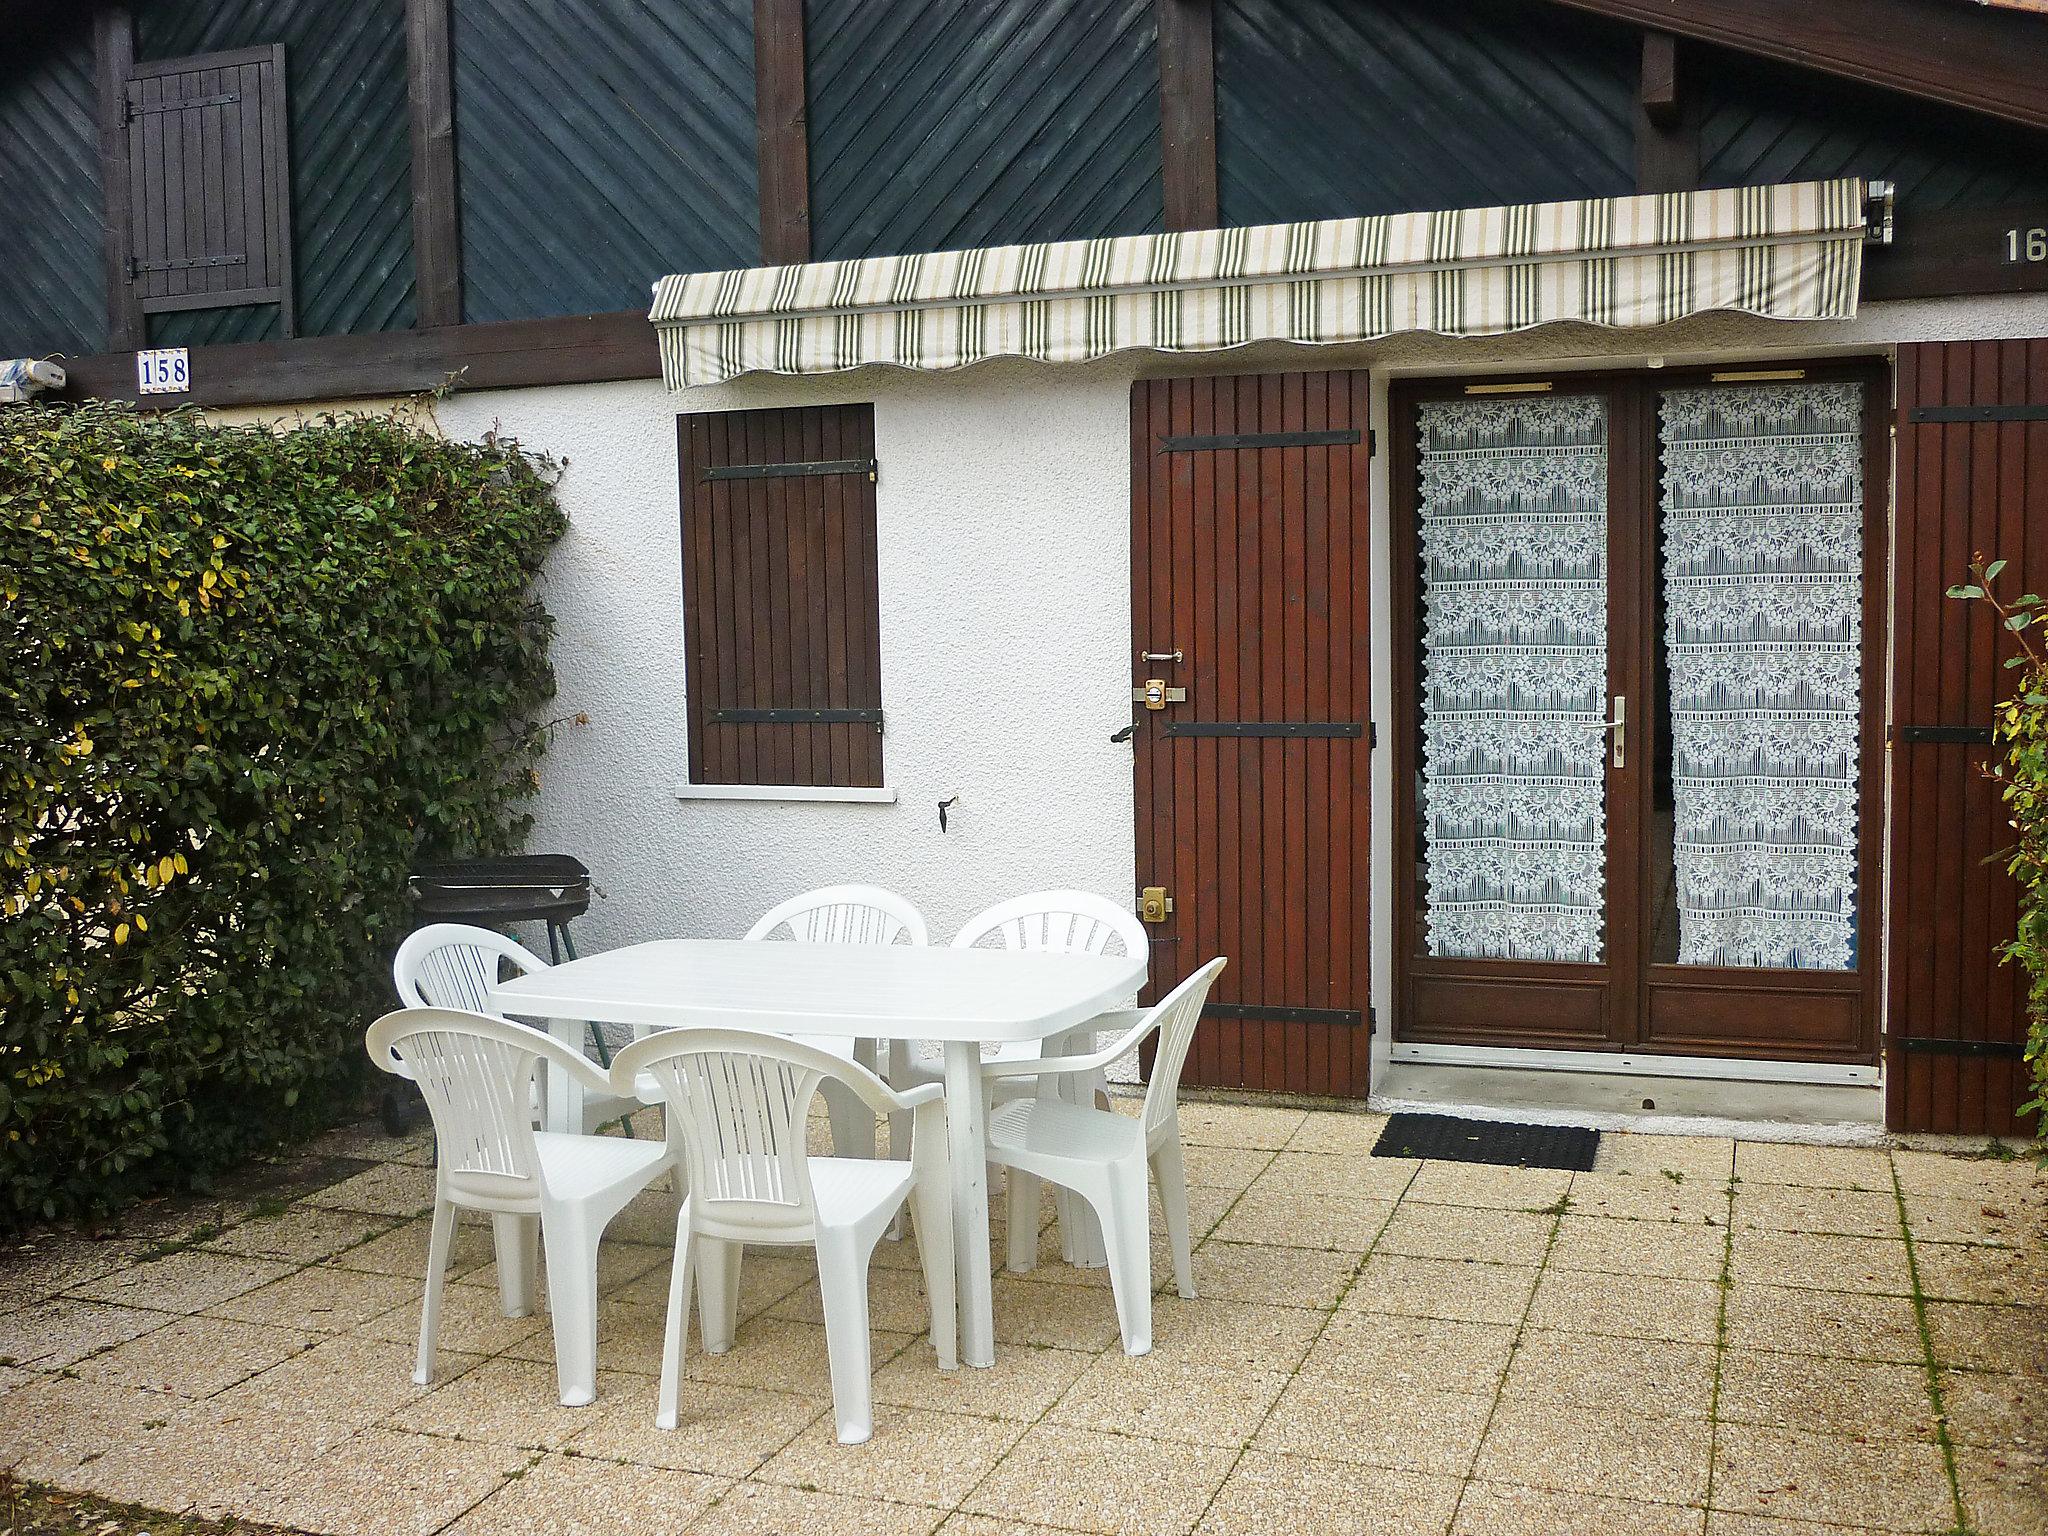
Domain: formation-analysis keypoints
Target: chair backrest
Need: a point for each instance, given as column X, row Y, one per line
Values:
column 737, row 1104
column 476, row 1074
column 1064, row 922
column 453, row 965
column 843, row 914
column 1175, row 1017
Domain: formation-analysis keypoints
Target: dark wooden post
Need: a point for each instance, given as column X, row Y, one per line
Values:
column 436, row 210
column 1667, row 121
column 1187, row 112
column 782, row 122
column 113, row 40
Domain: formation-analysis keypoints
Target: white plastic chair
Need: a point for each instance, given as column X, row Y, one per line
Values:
column 476, row 1073
column 1103, row 1156
column 736, row 1106
column 454, row 965
column 845, row 914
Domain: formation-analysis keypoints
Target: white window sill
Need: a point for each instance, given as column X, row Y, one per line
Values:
column 787, row 793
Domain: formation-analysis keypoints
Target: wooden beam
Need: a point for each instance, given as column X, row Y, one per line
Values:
column 782, row 126
column 1667, row 121
column 511, row 354
column 436, row 208
column 1980, row 58
column 1187, row 112
column 113, row 47
column 1960, row 250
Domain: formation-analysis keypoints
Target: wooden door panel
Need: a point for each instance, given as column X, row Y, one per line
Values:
column 1249, row 558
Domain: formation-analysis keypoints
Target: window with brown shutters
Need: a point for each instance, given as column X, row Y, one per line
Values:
column 783, row 656
column 208, row 194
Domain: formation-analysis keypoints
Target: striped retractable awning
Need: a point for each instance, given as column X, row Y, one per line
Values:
column 1789, row 252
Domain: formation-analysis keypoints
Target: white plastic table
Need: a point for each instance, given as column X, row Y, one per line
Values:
column 959, row 997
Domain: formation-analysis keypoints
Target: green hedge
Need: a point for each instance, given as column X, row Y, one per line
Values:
column 246, row 677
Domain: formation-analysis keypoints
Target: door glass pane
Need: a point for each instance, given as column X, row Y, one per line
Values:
column 1762, row 590
column 1514, row 677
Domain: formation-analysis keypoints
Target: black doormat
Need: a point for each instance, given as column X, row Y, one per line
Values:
column 1498, row 1142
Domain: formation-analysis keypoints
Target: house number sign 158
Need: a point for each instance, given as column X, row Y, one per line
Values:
column 2026, row 245
column 163, row 371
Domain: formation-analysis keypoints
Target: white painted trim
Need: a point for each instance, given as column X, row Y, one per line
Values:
column 1643, row 1064
column 1831, row 1133
column 791, row 793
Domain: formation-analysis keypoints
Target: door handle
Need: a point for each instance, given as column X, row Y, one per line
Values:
column 1172, row 655
column 1618, row 727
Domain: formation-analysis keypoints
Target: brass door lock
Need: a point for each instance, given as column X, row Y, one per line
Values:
column 1154, row 904
column 1157, row 694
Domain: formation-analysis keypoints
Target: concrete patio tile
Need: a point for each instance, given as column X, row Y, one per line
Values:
column 403, row 1251
column 53, row 1427
column 577, row 1496
column 1946, row 1173
column 353, row 1380
column 767, row 1276
column 727, row 1431
column 1460, row 1232
column 1030, row 1311
column 1082, row 1480
column 190, row 1281
column 384, row 1483
column 1587, row 1301
column 1224, row 1167
column 765, row 1509
column 195, row 1356
column 322, row 1300
column 1294, row 1277
column 2005, row 1494
column 1798, row 1208
column 1587, row 1370
column 1275, row 1495
column 1237, row 1335
column 1022, row 1384
column 366, row 1139
column 301, row 1234
column 1971, row 1272
column 896, row 1302
column 1867, row 1265
column 390, row 1189
column 1829, row 1323
column 1721, row 1522
column 1990, row 1409
column 915, row 1457
column 1680, row 1250
column 471, row 1321
column 1649, row 1197
column 1458, row 1289
column 54, row 1334
column 1697, row 1157
column 1507, row 1509
column 1826, row 1477
column 1612, row 1453
column 34, row 1270
column 1239, row 1125
column 989, row 1525
column 1297, row 1219
column 1481, row 1185
column 1169, row 1399
column 1404, row 1425
column 2003, row 1223
column 1991, row 1338
column 618, row 1265
column 1881, row 1400
column 1338, row 1131
column 1422, row 1351
column 505, row 1402
column 209, row 1459
column 777, row 1356
column 1785, row 1162
column 1323, row 1173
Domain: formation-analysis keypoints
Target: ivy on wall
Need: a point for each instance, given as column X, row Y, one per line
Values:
column 247, row 676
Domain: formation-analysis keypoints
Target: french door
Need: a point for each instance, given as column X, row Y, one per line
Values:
column 1638, row 736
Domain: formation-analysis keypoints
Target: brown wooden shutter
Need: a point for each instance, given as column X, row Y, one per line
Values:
column 1972, row 476
column 783, row 653
column 209, row 197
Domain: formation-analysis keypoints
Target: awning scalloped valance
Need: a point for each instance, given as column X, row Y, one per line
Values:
column 1790, row 252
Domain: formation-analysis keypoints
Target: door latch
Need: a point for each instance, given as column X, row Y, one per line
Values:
column 1154, row 904
column 1156, row 694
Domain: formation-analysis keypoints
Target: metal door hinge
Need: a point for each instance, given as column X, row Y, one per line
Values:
column 1154, row 904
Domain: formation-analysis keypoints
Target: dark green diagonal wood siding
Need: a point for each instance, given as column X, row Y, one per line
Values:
column 599, row 147
column 940, row 124
column 351, row 157
column 1327, row 108
column 52, row 296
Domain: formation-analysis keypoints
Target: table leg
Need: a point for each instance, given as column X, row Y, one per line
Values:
column 967, row 1141
column 563, row 1100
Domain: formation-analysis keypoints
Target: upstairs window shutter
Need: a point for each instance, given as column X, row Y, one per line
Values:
column 783, row 653
column 209, row 198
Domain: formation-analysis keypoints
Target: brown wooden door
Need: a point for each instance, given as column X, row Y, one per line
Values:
column 1972, row 477
column 1249, row 558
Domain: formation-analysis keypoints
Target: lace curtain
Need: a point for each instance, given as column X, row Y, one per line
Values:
column 1763, row 533
column 1514, row 676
